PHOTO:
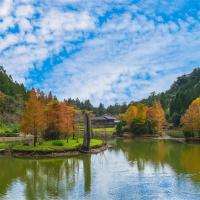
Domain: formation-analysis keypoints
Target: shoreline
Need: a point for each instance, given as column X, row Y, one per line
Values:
column 53, row 153
column 156, row 137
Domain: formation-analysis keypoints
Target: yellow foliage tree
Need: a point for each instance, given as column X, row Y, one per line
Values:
column 157, row 115
column 142, row 111
column 130, row 114
column 138, row 111
column 191, row 119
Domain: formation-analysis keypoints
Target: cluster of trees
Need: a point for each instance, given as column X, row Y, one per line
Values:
column 47, row 116
column 176, row 100
column 143, row 119
column 100, row 110
column 191, row 120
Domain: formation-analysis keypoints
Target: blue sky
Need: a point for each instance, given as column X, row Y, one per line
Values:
column 109, row 51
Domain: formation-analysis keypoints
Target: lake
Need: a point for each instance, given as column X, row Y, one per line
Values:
column 139, row 169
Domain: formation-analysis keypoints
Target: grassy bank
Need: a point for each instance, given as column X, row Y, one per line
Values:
column 58, row 145
column 175, row 133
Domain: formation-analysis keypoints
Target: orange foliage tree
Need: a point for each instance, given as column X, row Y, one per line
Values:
column 65, row 119
column 60, row 118
column 33, row 119
column 47, row 116
column 191, row 119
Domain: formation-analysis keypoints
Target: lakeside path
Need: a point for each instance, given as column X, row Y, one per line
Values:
column 14, row 139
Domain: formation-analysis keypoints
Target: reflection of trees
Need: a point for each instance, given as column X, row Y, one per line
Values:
column 53, row 178
column 144, row 151
column 87, row 172
column 183, row 158
column 9, row 172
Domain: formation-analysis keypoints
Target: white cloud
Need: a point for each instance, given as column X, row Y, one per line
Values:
column 6, row 23
column 109, row 54
column 25, row 11
column 8, row 41
column 5, row 8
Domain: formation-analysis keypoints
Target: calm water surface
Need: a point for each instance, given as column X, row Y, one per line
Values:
column 131, row 170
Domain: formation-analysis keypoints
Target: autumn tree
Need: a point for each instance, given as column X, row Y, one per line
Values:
column 157, row 114
column 142, row 119
column 138, row 111
column 130, row 114
column 60, row 119
column 65, row 119
column 191, row 119
column 33, row 119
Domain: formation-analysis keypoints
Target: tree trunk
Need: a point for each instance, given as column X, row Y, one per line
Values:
column 35, row 140
column 87, row 133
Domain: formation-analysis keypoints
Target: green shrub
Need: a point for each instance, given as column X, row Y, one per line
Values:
column 188, row 134
column 51, row 135
column 58, row 143
column 176, row 119
column 140, row 127
column 119, row 127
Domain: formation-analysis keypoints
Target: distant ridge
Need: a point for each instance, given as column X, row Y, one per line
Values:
column 180, row 95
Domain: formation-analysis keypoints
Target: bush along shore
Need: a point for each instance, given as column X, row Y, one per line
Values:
column 51, row 149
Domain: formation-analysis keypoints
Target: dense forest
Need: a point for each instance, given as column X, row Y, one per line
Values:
column 115, row 109
column 12, row 97
column 177, row 99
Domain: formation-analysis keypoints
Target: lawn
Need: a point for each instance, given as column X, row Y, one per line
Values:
column 107, row 131
column 58, row 145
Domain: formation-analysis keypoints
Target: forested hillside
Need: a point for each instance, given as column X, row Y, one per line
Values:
column 177, row 99
column 12, row 96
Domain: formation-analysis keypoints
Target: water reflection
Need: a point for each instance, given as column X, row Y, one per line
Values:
column 44, row 179
column 182, row 158
column 152, row 169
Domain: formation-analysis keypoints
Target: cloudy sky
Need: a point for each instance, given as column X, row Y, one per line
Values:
column 105, row 50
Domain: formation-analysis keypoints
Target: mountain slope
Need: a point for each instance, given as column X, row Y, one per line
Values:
column 12, row 96
column 177, row 99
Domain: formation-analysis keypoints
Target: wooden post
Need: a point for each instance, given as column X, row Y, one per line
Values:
column 87, row 133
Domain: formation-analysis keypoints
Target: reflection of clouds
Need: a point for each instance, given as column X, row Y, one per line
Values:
column 131, row 170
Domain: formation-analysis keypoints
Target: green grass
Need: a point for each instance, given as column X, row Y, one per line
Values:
column 8, row 145
column 102, row 131
column 53, row 145
column 9, row 130
column 4, row 145
column 175, row 133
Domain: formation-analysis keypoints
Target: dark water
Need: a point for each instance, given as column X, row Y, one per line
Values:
column 131, row 170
